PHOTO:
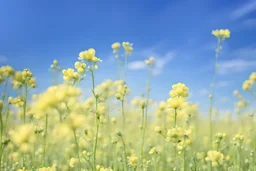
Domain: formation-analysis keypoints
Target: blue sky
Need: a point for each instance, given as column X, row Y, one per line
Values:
column 177, row 33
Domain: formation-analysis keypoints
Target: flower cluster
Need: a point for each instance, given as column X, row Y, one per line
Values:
column 23, row 137
column 53, row 96
column 133, row 161
column 127, row 47
column 238, row 137
column 216, row 158
column 23, row 78
column 55, row 66
column 150, row 61
column 5, row 72
column 223, row 34
column 179, row 90
column 177, row 134
column 247, row 84
column 115, row 46
column 89, row 55
column 121, row 89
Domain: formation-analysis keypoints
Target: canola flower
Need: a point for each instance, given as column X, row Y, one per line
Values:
column 216, row 158
column 221, row 35
column 66, row 128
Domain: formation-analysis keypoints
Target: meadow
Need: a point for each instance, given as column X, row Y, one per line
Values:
column 59, row 130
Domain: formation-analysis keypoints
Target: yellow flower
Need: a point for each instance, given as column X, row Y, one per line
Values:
column 215, row 157
column 76, row 120
column 1, row 105
column 72, row 162
column 152, row 151
column 115, row 46
column 238, row 137
column 127, row 47
column 23, row 136
column 247, row 84
column 176, row 103
column 84, row 152
column 47, row 169
column 133, row 160
column 221, row 33
column 253, row 76
column 158, row 129
column 180, row 90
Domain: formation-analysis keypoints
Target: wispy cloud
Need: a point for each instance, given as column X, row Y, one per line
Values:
column 3, row 59
column 244, row 10
column 236, row 65
column 160, row 59
column 161, row 62
column 136, row 65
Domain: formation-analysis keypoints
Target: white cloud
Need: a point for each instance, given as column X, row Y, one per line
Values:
column 160, row 60
column 3, row 59
column 245, row 9
column 136, row 65
column 235, row 66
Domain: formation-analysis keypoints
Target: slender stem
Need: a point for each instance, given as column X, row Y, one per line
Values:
column 142, row 142
column 184, row 155
column 213, row 87
column 7, row 116
column 5, row 89
column 124, row 153
column 175, row 118
column 25, row 103
column 96, row 121
column 77, row 149
column 1, row 122
column 145, row 118
column 123, row 115
column 88, row 162
column 45, row 138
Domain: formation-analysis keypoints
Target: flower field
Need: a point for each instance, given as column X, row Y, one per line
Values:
column 60, row 130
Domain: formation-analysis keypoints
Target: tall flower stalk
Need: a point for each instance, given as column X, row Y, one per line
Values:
column 150, row 62
column 89, row 55
column 220, row 35
column 97, row 120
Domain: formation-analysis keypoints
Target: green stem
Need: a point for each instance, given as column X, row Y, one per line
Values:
column 77, row 149
column 1, row 122
column 123, row 115
column 124, row 153
column 142, row 142
column 213, row 87
column 25, row 103
column 5, row 89
column 45, row 138
column 175, row 118
column 96, row 121
column 88, row 162
column 7, row 116
column 184, row 155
